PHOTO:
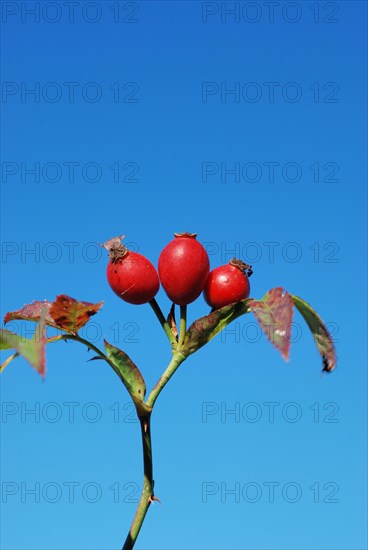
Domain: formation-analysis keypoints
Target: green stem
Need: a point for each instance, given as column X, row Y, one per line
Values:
column 85, row 343
column 183, row 325
column 176, row 360
column 165, row 325
column 147, row 495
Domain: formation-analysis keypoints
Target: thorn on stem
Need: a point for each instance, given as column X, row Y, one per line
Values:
column 151, row 498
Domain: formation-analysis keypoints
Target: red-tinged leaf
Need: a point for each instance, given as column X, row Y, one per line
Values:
column 130, row 375
column 274, row 314
column 32, row 350
column 320, row 333
column 70, row 314
column 206, row 328
column 31, row 312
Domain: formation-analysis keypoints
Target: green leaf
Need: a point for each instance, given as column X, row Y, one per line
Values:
column 274, row 314
column 6, row 339
column 128, row 373
column 205, row 328
column 320, row 333
column 32, row 350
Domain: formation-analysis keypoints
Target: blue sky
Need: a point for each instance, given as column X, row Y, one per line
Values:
column 247, row 128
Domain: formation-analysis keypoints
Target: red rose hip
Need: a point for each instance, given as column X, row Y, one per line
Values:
column 227, row 284
column 183, row 267
column 131, row 276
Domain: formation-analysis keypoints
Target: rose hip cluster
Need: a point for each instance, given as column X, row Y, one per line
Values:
column 183, row 270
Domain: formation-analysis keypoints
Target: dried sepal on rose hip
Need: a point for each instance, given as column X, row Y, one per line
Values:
column 130, row 274
column 227, row 284
column 183, row 267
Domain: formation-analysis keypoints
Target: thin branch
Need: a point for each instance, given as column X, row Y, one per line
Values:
column 163, row 322
column 176, row 360
column 147, row 496
column 183, row 325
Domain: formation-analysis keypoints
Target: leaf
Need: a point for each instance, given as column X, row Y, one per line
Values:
column 70, row 314
column 129, row 374
column 274, row 314
column 64, row 313
column 320, row 333
column 206, row 328
column 32, row 350
column 31, row 312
